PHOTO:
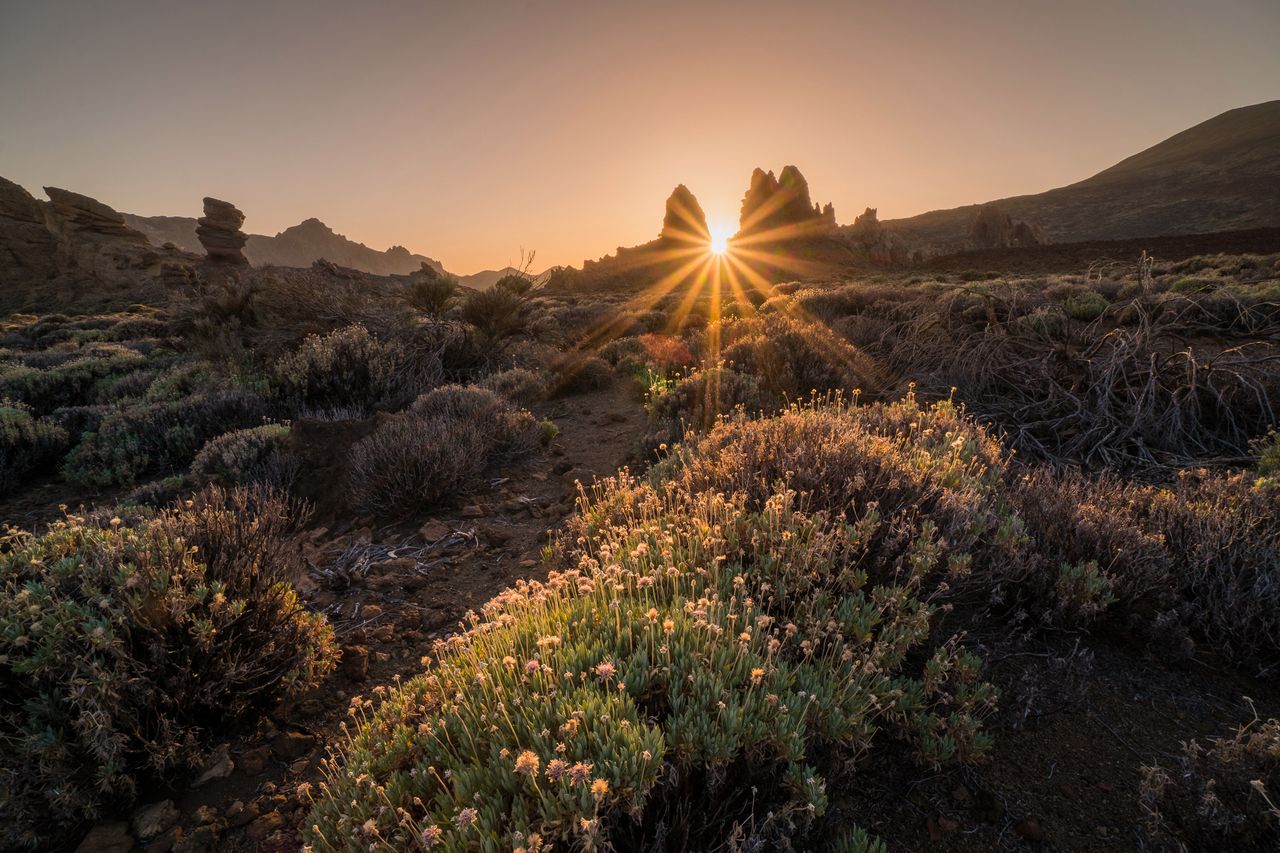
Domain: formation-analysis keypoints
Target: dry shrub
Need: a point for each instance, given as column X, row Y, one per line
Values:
column 577, row 373
column 345, row 368
column 695, row 401
column 1226, row 797
column 254, row 455
column 792, row 358
column 125, row 648
column 442, row 444
column 497, row 313
column 520, row 386
column 432, row 293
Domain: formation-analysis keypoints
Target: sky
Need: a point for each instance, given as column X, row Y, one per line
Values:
column 469, row 130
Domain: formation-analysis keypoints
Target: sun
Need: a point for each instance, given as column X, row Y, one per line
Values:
column 720, row 235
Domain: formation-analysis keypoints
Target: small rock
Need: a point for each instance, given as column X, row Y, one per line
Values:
column 528, row 564
column 107, row 837
column 1029, row 829
column 201, row 839
column 288, row 746
column 219, row 766
column 562, row 467
column 263, row 826
column 152, row 820
column 254, row 760
column 238, row 814
column 472, row 511
column 206, row 814
column 166, row 842
column 383, row 633
column 434, row 530
column 355, row 662
column 370, row 611
column 382, row 657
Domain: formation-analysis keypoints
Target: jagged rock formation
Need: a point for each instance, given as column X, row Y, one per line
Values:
column 298, row 246
column 219, row 232
column 780, row 208
column 869, row 237
column 28, row 249
column 74, row 246
column 684, row 220
column 993, row 228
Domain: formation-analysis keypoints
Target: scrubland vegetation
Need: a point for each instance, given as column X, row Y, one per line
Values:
column 850, row 507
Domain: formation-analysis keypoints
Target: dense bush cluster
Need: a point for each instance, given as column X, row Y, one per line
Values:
column 441, row 444
column 151, row 438
column 347, row 368
column 122, row 645
column 718, row 643
column 26, row 444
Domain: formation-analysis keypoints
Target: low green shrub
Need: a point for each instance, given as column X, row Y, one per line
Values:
column 578, row 373
column 254, row 455
column 26, row 444
column 72, row 383
column 442, row 444
column 149, row 438
column 792, row 358
column 1086, row 307
column 704, row 659
column 693, row 402
column 125, row 648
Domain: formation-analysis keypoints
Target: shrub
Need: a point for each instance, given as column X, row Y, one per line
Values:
column 520, row 386
column 515, row 283
column 1086, row 307
column 71, row 383
column 433, row 293
column 577, row 373
column 1188, row 286
column 696, row 400
column 1268, row 450
column 624, row 353
column 703, row 660
column 442, row 444
column 345, row 368
column 1226, row 797
column 791, row 358
column 26, row 444
column 254, row 455
column 497, row 313
column 157, row 437
column 665, row 353
column 122, row 647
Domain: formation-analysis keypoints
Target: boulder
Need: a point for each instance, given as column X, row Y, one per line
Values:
column 993, row 228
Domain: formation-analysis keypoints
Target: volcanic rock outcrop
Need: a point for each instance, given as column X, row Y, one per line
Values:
column 73, row 247
column 993, row 228
column 220, row 234
column 684, row 220
column 869, row 236
column 779, row 208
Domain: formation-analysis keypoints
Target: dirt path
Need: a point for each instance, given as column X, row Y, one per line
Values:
column 390, row 592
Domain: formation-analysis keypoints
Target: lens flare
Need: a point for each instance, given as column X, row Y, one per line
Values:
column 720, row 239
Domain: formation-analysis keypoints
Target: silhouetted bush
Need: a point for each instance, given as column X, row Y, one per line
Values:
column 124, row 648
column 498, row 313
column 576, row 373
column 433, row 293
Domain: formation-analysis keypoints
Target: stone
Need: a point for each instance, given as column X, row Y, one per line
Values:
column 239, row 814
column 1029, row 829
column 219, row 766
column 355, row 663
column 264, row 826
column 993, row 228
column 154, row 819
column 107, row 837
column 288, row 746
column 434, row 530
column 254, row 760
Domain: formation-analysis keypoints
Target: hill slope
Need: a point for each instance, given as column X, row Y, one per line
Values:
column 1222, row 174
column 298, row 246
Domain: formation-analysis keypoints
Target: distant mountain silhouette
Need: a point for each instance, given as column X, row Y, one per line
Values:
column 1220, row 175
column 299, row 246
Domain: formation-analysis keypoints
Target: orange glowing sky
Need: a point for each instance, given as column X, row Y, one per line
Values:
column 467, row 130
